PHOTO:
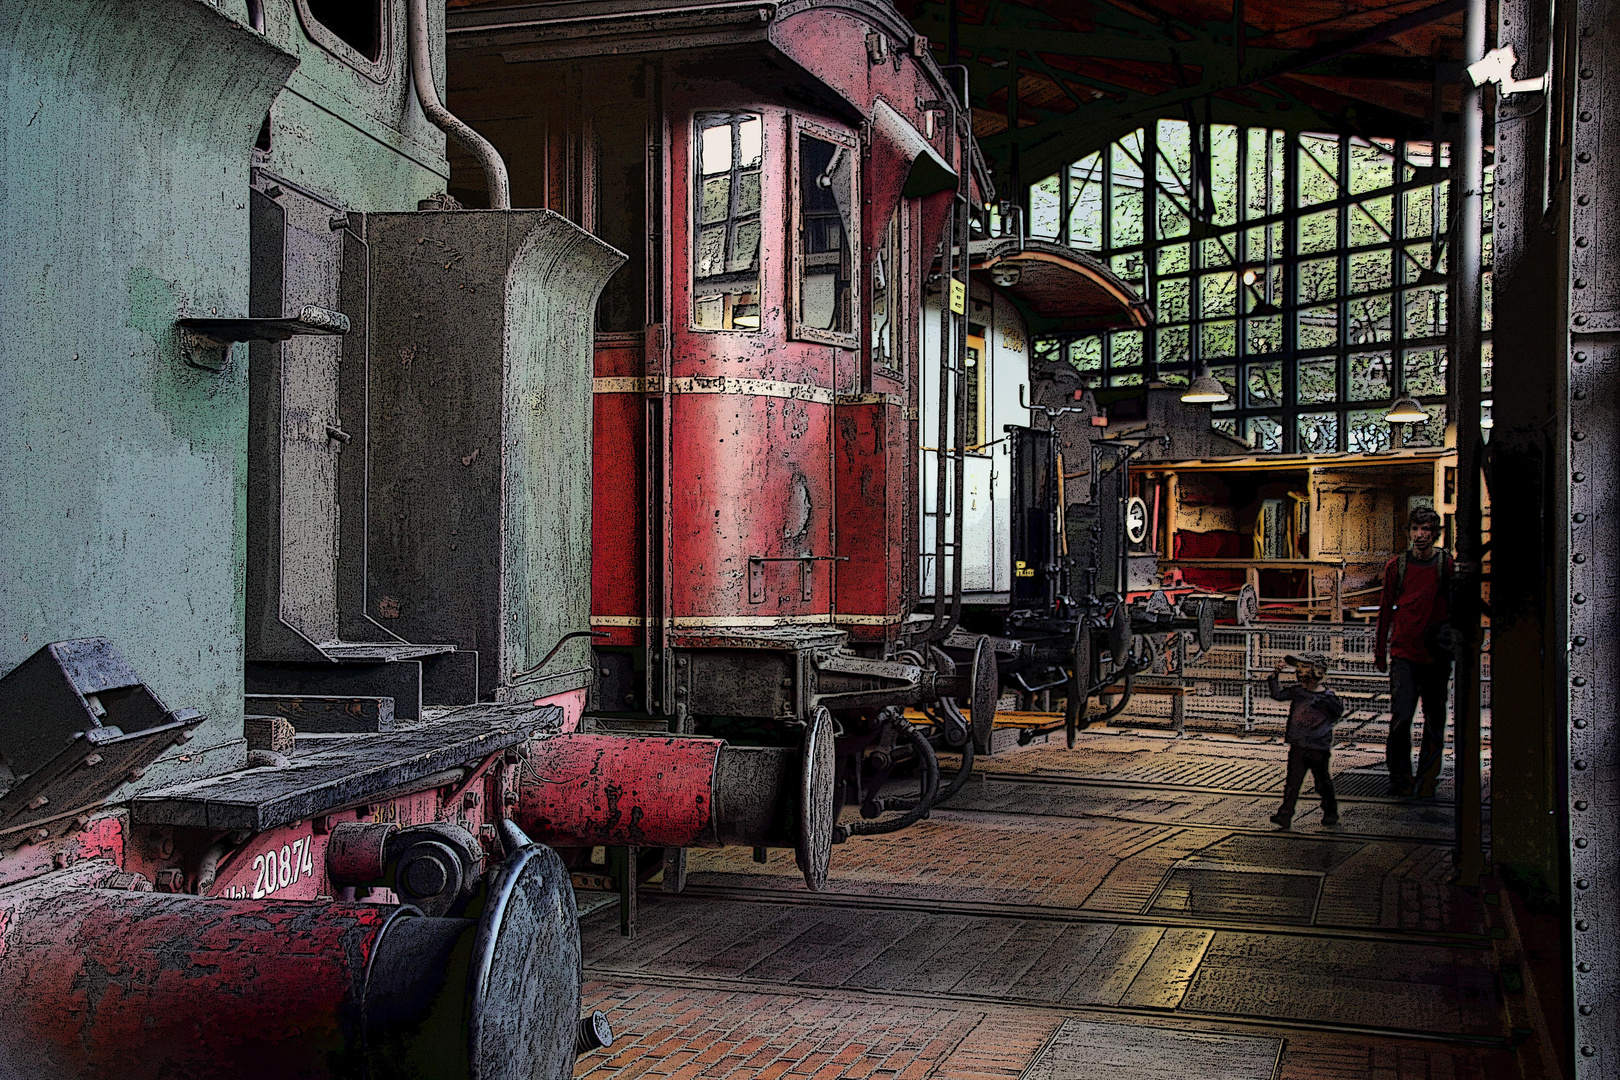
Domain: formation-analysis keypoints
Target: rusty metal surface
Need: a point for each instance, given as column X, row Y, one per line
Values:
column 140, row 984
column 356, row 852
column 1588, row 207
column 582, row 790
column 326, row 713
column 259, row 799
column 133, row 984
column 477, row 534
column 817, row 813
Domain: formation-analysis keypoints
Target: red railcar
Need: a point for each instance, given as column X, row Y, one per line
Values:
column 782, row 177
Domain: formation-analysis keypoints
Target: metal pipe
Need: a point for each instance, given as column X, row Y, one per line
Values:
column 917, row 810
column 960, row 212
column 1466, row 255
column 937, row 631
column 489, row 158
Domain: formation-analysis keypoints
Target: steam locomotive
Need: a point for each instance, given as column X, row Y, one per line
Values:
column 299, row 443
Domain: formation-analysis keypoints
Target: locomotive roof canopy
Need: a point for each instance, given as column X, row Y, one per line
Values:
column 1054, row 80
column 1058, row 290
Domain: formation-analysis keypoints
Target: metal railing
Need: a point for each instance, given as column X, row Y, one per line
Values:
column 1226, row 682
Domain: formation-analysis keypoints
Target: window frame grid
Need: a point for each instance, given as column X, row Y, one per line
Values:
column 1392, row 340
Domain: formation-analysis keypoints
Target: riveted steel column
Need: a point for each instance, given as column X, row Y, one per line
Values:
column 1466, row 255
column 1585, row 101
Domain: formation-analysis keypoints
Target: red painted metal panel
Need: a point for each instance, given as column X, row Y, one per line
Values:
column 618, row 523
column 583, row 790
column 287, row 863
column 752, row 477
column 871, row 491
column 146, row 985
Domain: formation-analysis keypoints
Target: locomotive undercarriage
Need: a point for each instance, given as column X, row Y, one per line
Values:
column 805, row 696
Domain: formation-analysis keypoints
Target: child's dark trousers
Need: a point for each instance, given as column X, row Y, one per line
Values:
column 1317, row 761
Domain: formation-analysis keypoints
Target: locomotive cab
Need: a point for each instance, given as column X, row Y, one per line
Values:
column 781, row 177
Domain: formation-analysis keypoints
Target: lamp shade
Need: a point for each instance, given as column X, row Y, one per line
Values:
column 1204, row 390
column 1405, row 411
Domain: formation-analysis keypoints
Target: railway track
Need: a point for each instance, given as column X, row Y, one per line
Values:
column 990, row 909
column 1205, row 1021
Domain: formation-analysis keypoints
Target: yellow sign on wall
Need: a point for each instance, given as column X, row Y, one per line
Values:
column 958, row 297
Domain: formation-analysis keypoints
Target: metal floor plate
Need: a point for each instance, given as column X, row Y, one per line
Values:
column 1085, row 1049
column 1211, row 892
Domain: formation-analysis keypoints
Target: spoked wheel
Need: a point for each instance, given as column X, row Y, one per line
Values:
column 986, row 688
column 813, row 852
column 1074, row 710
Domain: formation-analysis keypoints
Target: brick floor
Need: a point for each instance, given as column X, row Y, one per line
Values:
column 745, row 989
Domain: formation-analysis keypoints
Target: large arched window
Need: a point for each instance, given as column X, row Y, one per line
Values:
column 1308, row 271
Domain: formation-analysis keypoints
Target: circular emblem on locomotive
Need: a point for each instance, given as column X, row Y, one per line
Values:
column 1136, row 520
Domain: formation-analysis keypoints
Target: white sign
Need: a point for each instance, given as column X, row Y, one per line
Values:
column 1136, row 520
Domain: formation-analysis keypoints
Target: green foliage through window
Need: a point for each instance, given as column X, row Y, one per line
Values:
column 1308, row 271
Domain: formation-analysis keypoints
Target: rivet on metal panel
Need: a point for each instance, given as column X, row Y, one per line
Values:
column 1577, row 477
column 1579, row 557
column 1580, row 841
column 1588, row 1051
column 1580, row 395
column 1582, row 925
column 1580, row 320
column 1580, row 283
column 1586, row 73
column 1585, row 115
column 1583, row 157
column 1583, row 966
column 1580, row 764
column 1580, row 680
column 1580, row 804
column 1578, row 519
column 807, row 590
column 1580, row 725
column 1586, row 1010
column 1581, row 241
column 1582, row 883
column 1580, row 598
column 92, row 761
column 1580, row 358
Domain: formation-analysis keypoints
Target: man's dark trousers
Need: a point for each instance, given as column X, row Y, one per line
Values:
column 1410, row 683
column 1301, row 758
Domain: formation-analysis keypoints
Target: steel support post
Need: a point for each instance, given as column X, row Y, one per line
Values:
column 1585, row 153
column 1466, row 255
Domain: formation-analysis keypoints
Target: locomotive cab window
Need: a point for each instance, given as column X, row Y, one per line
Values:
column 357, row 32
column 825, row 230
column 725, row 274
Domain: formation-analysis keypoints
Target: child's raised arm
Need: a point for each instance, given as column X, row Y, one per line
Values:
column 1274, row 684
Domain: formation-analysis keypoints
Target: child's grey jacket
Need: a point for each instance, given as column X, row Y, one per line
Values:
column 1312, row 715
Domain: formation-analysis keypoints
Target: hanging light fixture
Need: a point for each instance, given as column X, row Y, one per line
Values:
column 1006, row 274
column 1204, row 390
column 1405, row 410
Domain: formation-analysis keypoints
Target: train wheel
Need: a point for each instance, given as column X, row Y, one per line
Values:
column 813, row 852
column 1119, row 633
column 986, row 688
column 1074, row 709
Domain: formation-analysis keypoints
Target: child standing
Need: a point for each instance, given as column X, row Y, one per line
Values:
column 1311, row 717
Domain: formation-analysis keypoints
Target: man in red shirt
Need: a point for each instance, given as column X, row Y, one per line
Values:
column 1411, row 617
